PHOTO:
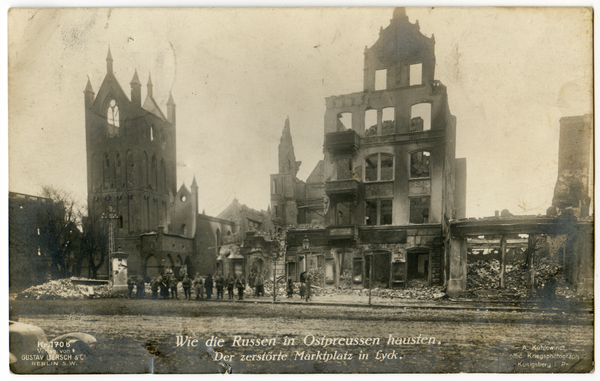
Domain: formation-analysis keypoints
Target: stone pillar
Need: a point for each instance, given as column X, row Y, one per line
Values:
column 584, row 262
column 458, row 266
column 118, row 273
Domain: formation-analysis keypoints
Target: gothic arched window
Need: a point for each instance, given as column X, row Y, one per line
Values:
column 112, row 117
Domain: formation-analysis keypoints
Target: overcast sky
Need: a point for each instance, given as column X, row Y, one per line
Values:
column 236, row 74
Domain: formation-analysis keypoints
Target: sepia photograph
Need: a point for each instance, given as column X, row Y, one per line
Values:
column 300, row 190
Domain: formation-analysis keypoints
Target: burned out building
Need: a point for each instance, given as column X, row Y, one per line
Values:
column 567, row 229
column 131, row 175
column 294, row 201
column 392, row 182
column 574, row 186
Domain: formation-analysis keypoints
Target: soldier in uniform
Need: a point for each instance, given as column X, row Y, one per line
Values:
column 173, row 286
column 240, row 284
column 187, row 285
column 199, row 286
column 230, row 284
column 220, row 282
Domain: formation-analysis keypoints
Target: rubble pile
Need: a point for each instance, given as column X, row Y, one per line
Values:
column 65, row 289
column 549, row 277
column 419, row 292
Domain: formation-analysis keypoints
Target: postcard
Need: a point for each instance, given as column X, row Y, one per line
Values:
column 301, row 190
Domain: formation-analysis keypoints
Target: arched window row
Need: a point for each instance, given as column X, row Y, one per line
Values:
column 130, row 171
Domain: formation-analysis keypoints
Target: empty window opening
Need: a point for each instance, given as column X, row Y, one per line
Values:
column 39, row 251
column 371, row 212
column 379, row 167
column 370, row 122
column 385, row 212
column 151, row 133
column 419, row 210
column 274, row 189
column 344, row 121
column 112, row 115
column 416, row 74
column 344, row 168
column 371, row 168
column 420, row 117
column 343, row 213
column 380, row 79
column 387, row 121
column 387, row 167
column 120, row 222
column 378, row 212
column 38, row 231
column 420, row 164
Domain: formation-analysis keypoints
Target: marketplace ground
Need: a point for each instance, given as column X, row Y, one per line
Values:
column 137, row 336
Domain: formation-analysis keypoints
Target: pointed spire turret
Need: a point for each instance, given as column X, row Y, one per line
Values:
column 149, row 86
column 171, row 101
column 109, row 62
column 135, row 80
column 88, row 94
column 136, row 89
column 88, row 87
column 171, row 116
column 194, row 183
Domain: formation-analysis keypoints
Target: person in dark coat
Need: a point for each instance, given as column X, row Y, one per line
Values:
column 240, row 284
column 187, row 285
column 230, row 285
column 208, row 285
column 290, row 287
column 302, row 290
column 154, row 284
column 308, row 289
column 130, row 284
column 220, row 282
column 164, row 287
column 140, row 287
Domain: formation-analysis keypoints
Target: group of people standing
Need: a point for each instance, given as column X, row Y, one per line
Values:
column 305, row 289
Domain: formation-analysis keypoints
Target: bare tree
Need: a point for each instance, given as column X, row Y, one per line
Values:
column 61, row 231
column 94, row 244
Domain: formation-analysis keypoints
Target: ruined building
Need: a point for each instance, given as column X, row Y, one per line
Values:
column 392, row 181
column 574, row 186
column 131, row 171
column 294, row 201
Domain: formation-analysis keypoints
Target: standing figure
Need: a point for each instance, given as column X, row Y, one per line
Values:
column 140, row 287
column 252, row 283
column 130, row 284
column 187, row 285
column 154, row 284
column 259, row 283
column 208, row 285
column 164, row 287
column 230, row 284
column 199, row 286
column 220, row 282
column 308, row 289
column 302, row 290
column 173, row 286
column 240, row 284
column 290, row 287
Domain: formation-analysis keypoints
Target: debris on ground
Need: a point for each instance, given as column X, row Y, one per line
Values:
column 65, row 289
